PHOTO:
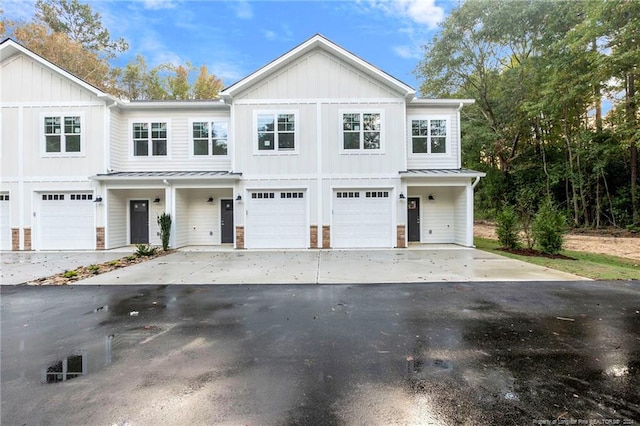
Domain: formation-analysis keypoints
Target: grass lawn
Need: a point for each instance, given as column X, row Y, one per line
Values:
column 588, row 265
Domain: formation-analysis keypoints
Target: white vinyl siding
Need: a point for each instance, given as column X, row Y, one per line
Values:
column 450, row 159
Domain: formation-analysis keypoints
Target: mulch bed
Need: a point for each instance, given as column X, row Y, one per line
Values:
column 84, row 272
column 535, row 253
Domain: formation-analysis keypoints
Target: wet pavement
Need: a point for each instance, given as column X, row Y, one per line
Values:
column 395, row 354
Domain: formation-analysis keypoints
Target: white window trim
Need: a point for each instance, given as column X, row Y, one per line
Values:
column 296, row 132
column 209, row 120
column 62, row 115
column 430, row 117
column 149, row 157
column 361, row 151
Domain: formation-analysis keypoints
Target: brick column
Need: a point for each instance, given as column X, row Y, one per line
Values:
column 401, row 237
column 240, row 237
column 15, row 239
column 100, row 238
column 27, row 238
column 313, row 232
column 326, row 236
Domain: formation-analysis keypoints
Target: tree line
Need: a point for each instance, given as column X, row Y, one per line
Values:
column 556, row 114
column 71, row 35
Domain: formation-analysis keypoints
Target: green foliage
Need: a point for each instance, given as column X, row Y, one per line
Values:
column 145, row 250
column 548, row 228
column 70, row 274
column 164, row 221
column 507, row 228
column 93, row 268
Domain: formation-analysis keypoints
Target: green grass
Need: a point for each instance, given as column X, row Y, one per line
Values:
column 588, row 265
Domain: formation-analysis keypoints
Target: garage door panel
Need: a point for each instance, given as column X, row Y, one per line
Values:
column 67, row 222
column 276, row 219
column 361, row 219
column 5, row 226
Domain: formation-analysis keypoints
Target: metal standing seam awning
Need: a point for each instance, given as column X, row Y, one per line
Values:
column 443, row 173
column 166, row 176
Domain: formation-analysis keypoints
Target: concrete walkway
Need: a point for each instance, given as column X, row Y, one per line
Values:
column 201, row 266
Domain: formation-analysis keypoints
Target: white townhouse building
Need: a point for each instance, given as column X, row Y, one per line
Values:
column 317, row 149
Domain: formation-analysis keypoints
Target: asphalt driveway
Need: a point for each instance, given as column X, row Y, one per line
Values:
column 530, row 353
column 198, row 266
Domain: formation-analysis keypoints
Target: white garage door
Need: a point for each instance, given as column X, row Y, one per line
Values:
column 361, row 219
column 66, row 221
column 5, row 227
column 276, row 219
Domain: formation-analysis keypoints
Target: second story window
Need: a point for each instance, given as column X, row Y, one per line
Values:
column 361, row 131
column 429, row 136
column 149, row 139
column 62, row 134
column 276, row 132
column 209, row 137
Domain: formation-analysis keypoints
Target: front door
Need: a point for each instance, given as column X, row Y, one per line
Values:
column 413, row 218
column 139, row 219
column 226, row 221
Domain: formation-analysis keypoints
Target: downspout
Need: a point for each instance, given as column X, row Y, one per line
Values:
column 475, row 182
column 459, row 134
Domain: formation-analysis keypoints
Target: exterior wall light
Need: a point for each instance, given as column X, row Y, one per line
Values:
column 157, row 200
column 98, row 200
column 402, row 196
column 210, row 200
column 239, row 197
column 431, row 198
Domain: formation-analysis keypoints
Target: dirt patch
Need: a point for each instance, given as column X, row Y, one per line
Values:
column 605, row 242
column 83, row 272
column 535, row 253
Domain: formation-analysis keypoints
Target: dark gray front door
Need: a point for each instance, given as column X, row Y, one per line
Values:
column 226, row 221
column 139, row 218
column 413, row 218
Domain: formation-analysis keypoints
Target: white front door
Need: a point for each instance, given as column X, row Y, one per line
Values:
column 362, row 218
column 276, row 219
column 5, row 226
column 66, row 221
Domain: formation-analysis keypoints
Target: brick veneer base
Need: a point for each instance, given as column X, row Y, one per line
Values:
column 27, row 238
column 401, row 237
column 15, row 239
column 240, row 237
column 313, row 234
column 99, row 238
column 326, row 236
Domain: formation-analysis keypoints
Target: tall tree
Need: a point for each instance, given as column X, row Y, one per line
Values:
column 81, row 24
column 206, row 86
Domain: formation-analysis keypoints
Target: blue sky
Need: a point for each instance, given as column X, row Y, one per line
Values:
column 234, row 38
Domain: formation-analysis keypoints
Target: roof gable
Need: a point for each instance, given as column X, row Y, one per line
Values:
column 9, row 48
column 318, row 42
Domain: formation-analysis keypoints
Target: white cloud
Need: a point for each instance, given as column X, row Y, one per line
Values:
column 228, row 72
column 158, row 4
column 242, row 9
column 423, row 12
column 284, row 34
column 408, row 52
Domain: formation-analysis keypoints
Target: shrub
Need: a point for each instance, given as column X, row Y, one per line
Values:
column 507, row 228
column 70, row 274
column 145, row 250
column 164, row 221
column 549, row 227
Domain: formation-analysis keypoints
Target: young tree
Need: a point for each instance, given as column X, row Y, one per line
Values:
column 206, row 86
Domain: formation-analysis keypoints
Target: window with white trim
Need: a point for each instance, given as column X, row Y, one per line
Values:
column 361, row 131
column 149, row 139
column 429, row 136
column 62, row 134
column 276, row 131
column 209, row 137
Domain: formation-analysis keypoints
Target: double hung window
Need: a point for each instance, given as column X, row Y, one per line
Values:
column 62, row 134
column 361, row 131
column 149, row 139
column 209, row 137
column 429, row 136
column 276, row 132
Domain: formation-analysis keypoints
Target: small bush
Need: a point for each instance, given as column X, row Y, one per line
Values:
column 144, row 250
column 548, row 228
column 507, row 228
column 70, row 274
column 164, row 221
column 93, row 269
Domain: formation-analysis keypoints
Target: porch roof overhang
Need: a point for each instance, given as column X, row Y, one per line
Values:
column 441, row 173
column 173, row 176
